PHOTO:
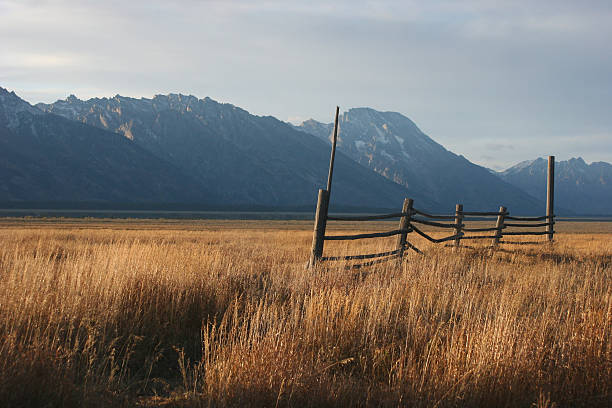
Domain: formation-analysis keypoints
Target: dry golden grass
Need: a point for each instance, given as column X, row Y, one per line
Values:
column 206, row 314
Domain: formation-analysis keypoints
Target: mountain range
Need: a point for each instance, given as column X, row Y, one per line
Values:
column 185, row 150
column 583, row 188
column 212, row 154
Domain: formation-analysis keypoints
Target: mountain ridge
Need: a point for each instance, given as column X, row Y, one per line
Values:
column 244, row 158
column 585, row 189
column 48, row 157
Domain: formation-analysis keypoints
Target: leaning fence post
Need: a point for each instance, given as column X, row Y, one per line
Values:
column 458, row 223
column 499, row 225
column 550, row 198
column 404, row 225
column 318, row 235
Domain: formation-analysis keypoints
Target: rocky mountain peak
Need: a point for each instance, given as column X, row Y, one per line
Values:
column 577, row 162
column 13, row 109
column 540, row 165
column 379, row 140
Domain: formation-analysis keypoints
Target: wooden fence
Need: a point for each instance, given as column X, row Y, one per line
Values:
column 409, row 216
column 412, row 220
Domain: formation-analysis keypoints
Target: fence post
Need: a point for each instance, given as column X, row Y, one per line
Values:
column 550, row 198
column 404, row 225
column 458, row 222
column 499, row 225
column 318, row 235
column 333, row 153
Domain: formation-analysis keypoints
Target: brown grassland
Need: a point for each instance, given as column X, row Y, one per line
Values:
column 214, row 313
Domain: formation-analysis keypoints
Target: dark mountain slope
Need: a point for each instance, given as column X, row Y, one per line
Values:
column 44, row 157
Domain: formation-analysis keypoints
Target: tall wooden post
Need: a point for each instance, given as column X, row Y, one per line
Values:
column 458, row 223
column 550, row 198
column 333, row 153
column 404, row 225
column 318, row 235
column 499, row 225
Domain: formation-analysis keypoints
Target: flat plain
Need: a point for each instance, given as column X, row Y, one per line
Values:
column 223, row 313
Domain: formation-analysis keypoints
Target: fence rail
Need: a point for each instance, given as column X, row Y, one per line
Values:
column 484, row 213
column 530, row 218
column 435, row 224
column 362, row 236
column 366, row 217
column 542, row 224
column 351, row 257
column 434, row 216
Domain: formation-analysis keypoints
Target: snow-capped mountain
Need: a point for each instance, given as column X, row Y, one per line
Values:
column 580, row 187
column 393, row 146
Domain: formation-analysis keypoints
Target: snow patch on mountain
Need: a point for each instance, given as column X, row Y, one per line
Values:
column 382, row 138
column 359, row 144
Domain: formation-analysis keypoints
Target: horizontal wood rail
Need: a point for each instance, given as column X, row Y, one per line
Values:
column 484, row 213
column 351, row 257
column 434, row 216
column 488, row 229
column 435, row 224
column 366, row 217
column 542, row 224
column 514, row 218
column 523, row 242
column 527, row 233
column 362, row 236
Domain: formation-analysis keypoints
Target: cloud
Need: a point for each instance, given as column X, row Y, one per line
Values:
column 39, row 60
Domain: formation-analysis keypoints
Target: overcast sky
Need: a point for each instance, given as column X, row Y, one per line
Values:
column 496, row 81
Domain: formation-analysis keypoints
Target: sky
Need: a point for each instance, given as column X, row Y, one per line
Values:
column 496, row 81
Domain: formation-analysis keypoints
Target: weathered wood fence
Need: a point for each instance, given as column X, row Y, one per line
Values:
column 411, row 221
column 409, row 216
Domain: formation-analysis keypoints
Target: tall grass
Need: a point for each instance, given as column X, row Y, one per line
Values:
column 223, row 317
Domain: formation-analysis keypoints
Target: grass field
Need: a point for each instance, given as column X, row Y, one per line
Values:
column 223, row 313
